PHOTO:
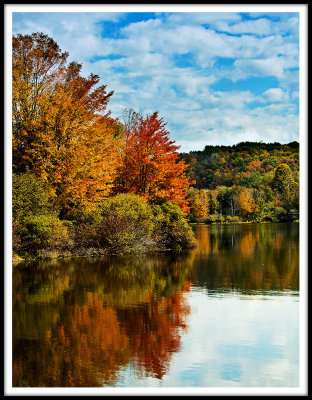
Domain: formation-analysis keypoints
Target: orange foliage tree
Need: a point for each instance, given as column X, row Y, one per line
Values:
column 150, row 164
column 254, row 166
column 61, row 130
column 246, row 202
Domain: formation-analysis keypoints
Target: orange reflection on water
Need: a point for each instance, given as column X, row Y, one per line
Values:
column 83, row 322
column 87, row 344
column 248, row 243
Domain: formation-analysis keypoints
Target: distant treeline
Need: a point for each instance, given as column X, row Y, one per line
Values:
column 249, row 181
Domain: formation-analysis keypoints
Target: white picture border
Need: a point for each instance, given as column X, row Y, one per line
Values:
column 303, row 142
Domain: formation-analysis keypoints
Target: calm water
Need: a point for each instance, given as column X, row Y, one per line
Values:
column 225, row 314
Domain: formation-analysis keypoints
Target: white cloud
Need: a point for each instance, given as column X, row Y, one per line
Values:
column 274, row 94
column 196, row 18
column 140, row 28
column 260, row 27
column 147, row 77
column 260, row 67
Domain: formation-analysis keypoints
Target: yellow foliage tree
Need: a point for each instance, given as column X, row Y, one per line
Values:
column 246, row 202
column 199, row 202
column 61, row 130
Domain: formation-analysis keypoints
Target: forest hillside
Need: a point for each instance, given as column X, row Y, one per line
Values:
column 252, row 181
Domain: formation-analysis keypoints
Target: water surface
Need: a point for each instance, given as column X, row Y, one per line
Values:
column 225, row 314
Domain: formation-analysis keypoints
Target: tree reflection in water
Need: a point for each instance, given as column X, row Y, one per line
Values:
column 247, row 258
column 80, row 322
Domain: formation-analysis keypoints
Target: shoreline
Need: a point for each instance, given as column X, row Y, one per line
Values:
column 243, row 222
column 96, row 252
column 81, row 253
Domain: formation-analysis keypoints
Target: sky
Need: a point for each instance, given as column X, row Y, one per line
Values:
column 216, row 78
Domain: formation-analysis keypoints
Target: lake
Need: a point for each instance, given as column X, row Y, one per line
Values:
column 225, row 314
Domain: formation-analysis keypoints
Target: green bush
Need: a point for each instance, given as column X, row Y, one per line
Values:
column 215, row 218
column 274, row 214
column 171, row 230
column 44, row 232
column 83, row 216
column 31, row 196
column 232, row 219
column 127, row 222
column 123, row 223
column 128, row 205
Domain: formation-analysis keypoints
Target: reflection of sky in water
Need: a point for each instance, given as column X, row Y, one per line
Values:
column 231, row 372
column 261, row 350
column 217, row 316
column 234, row 342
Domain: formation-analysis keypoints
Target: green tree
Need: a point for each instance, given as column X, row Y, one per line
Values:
column 285, row 186
column 213, row 201
column 252, row 180
column 31, row 196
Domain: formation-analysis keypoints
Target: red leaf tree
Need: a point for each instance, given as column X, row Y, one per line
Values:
column 151, row 166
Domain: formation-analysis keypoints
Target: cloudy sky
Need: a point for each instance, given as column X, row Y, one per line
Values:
column 215, row 77
column 256, row 347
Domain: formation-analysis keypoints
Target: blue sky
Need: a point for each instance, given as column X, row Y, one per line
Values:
column 215, row 77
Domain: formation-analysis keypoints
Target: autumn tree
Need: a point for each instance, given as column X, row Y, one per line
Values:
column 61, row 130
column 247, row 203
column 254, row 166
column 285, row 187
column 213, row 201
column 199, row 203
column 151, row 167
column 36, row 62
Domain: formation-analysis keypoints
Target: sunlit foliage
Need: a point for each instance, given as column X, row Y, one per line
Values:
column 150, row 165
column 70, row 157
column 61, row 129
column 249, row 181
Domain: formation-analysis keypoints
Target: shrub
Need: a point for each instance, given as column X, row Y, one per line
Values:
column 127, row 222
column 232, row 219
column 83, row 216
column 215, row 218
column 44, row 232
column 192, row 218
column 171, row 229
column 85, row 235
column 276, row 214
column 128, row 205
